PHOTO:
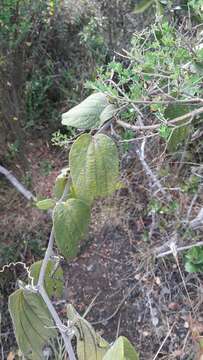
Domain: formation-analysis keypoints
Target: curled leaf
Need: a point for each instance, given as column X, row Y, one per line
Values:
column 86, row 115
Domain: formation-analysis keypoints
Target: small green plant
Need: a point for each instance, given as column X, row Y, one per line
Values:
column 93, row 38
column 194, row 259
column 46, row 167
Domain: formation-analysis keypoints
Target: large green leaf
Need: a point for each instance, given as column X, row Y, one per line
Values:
column 90, row 346
column 32, row 323
column 53, row 281
column 86, row 115
column 94, row 166
column 71, row 220
column 121, row 350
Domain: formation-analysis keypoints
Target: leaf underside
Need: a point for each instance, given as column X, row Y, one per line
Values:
column 86, row 115
column 32, row 323
column 122, row 349
column 90, row 346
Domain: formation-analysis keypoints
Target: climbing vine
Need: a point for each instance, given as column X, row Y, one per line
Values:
column 93, row 172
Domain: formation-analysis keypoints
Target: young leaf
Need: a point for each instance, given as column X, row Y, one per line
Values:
column 71, row 220
column 90, row 345
column 60, row 184
column 32, row 323
column 53, row 281
column 86, row 115
column 121, row 350
column 94, row 166
column 45, row 204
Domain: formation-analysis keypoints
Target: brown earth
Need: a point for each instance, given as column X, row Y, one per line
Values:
column 153, row 302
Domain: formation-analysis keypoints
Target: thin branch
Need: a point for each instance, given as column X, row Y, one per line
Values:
column 167, row 336
column 191, row 114
column 149, row 172
column 183, row 248
column 64, row 331
column 20, row 187
column 169, row 101
column 198, row 221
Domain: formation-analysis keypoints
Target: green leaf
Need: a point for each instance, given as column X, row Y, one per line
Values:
column 32, row 323
column 121, row 350
column 142, row 6
column 86, row 115
column 53, row 281
column 71, row 220
column 94, row 166
column 180, row 133
column 45, row 204
column 90, row 346
column 60, row 184
column 191, row 268
column 109, row 111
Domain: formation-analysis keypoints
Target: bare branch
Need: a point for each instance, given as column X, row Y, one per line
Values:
column 20, row 187
column 191, row 115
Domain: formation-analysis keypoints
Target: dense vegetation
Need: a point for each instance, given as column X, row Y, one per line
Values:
column 132, row 102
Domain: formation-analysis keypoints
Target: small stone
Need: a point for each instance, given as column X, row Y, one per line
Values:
column 186, row 325
column 173, row 306
column 157, row 280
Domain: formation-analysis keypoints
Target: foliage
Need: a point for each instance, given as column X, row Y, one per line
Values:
column 94, row 166
column 122, row 349
column 160, row 59
column 32, row 323
column 194, row 260
column 92, row 36
column 53, row 277
column 94, row 172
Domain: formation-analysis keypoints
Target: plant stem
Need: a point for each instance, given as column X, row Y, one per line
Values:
column 40, row 286
column 62, row 329
column 191, row 115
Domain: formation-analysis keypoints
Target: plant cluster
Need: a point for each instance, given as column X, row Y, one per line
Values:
column 93, row 172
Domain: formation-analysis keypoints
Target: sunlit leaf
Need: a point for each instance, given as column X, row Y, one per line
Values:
column 94, row 166
column 53, row 281
column 90, row 346
column 86, row 115
column 32, row 323
column 71, row 220
column 121, row 350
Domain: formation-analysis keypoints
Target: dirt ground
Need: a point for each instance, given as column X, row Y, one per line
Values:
column 153, row 302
